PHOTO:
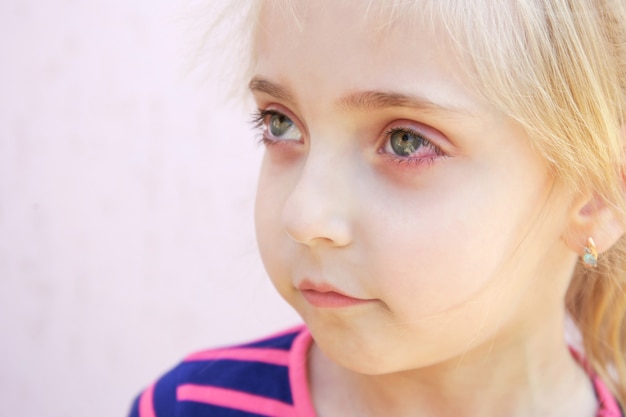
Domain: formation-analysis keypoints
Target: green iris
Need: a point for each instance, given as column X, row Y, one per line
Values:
column 405, row 143
column 279, row 125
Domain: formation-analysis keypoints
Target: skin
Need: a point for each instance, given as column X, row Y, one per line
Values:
column 463, row 250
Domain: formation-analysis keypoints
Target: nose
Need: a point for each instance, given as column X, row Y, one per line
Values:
column 318, row 209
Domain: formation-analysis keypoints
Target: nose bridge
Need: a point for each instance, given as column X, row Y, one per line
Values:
column 318, row 208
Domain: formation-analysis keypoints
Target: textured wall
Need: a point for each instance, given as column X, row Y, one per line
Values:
column 126, row 195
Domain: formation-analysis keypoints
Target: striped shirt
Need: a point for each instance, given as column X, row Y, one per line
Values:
column 266, row 378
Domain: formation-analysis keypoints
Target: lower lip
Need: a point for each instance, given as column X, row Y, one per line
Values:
column 331, row 299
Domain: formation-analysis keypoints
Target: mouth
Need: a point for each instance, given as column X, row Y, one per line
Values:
column 326, row 296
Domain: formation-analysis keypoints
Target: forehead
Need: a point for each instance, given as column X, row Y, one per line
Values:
column 344, row 46
column 327, row 28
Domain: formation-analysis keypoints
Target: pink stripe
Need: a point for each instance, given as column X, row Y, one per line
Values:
column 272, row 356
column 608, row 404
column 298, row 374
column 234, row 399
column 146, row 403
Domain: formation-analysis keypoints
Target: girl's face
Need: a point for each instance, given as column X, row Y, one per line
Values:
column 385, row 180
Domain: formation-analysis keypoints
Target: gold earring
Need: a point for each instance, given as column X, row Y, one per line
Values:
column 590, row 257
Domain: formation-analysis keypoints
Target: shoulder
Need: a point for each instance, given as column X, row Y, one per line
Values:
column 257, row 378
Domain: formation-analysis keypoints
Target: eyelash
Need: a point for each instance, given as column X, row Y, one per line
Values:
column 412, row 161
column 258, row 122
column 260, row 116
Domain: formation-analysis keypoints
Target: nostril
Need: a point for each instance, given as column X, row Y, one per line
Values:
column 332, row 230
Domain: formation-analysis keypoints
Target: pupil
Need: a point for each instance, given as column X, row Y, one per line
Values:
column 279, row 124
column 404, row 143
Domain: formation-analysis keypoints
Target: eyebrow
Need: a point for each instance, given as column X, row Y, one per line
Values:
column 360, row 101
column 265, row 86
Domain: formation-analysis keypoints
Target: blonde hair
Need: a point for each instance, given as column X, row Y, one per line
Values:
column 557, row 67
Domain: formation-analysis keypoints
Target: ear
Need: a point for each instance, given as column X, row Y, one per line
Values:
column 592, row 217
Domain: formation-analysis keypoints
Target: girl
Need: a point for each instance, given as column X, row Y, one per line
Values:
column 442, row 191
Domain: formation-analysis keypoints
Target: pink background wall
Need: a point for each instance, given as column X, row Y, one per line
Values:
column 126, row 197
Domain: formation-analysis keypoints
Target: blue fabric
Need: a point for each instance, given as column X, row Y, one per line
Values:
column 261, row 379
column 282, row 342
column 191, row 409
column 244, row 376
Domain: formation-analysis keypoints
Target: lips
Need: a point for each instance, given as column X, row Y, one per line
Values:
column 326, row 296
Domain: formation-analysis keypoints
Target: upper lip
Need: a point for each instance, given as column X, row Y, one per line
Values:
column 322, row 287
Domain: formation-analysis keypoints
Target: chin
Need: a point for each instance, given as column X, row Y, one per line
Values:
column 358, row 355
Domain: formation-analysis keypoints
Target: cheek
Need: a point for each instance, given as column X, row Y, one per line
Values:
column 272, row 192
column 436, row 252
column 267, row 209
column 430, row 264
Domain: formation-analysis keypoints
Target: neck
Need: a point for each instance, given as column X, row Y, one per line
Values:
column 533, row 375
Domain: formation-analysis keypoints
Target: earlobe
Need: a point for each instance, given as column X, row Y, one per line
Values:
column 607, row 228
column 593, row 218
column 590, row 257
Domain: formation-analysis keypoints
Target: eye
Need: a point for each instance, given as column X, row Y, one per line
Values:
column 280, row 125
column 404, row 143
column 409, row 145
column 276, row 126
